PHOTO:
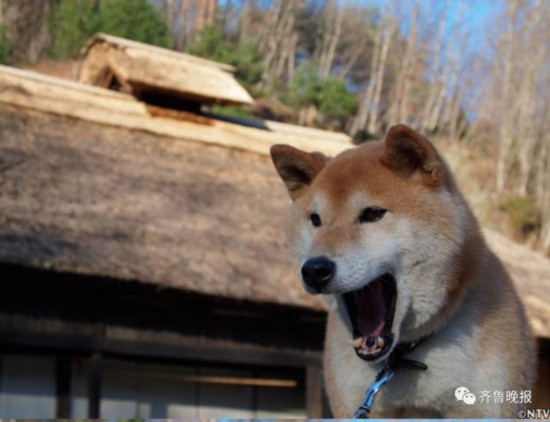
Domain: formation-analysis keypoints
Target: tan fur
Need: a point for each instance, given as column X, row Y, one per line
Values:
column 449, row 282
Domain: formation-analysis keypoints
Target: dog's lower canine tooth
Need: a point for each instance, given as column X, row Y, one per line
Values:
column 380, row 342
column 356, row 342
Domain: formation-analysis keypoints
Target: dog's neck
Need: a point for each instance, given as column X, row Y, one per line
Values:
column 462, row 274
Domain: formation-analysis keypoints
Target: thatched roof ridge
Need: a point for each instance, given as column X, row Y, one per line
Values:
column 19, row 77
column 85, row 198
column 141, row 68
column 34, row 91
column 101, row 37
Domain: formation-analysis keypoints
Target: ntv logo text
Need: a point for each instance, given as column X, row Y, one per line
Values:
column 534, row 414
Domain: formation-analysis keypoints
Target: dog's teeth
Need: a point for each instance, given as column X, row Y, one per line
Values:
column 380, row 342
column 356, row 342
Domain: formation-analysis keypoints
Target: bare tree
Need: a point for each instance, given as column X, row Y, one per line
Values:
column 354, row 50
column 369, row 112
column 526, row 97
column 505, row 131
column 331, row 30
column 277, row 38
column 186, row 18
column 26, row 26
column 399, row 109
column 518, row 104
column 444, row 78
column 373, row 123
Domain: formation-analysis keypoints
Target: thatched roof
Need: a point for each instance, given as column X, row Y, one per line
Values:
column 143, row 68
column 85, row 198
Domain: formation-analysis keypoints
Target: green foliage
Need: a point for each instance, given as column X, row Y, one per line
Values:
column 335, row 100
column 74, row 21
column 5, row 46
column 303, row 88
column 524, row 215
column 133, row 19
column 211, row 44
column 330, row 95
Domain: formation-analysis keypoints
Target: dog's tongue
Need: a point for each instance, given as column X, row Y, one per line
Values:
column 371, row 310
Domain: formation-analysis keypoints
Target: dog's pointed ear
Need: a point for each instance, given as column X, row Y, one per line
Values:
column 409, row 155
column 297, row 168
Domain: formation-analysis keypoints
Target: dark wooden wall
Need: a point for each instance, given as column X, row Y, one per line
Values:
column 68, row 314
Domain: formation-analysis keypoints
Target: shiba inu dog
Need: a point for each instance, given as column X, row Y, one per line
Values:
column 383, row 232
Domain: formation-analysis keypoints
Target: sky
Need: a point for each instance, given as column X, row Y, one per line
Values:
column 480, row 16
column 480, row 22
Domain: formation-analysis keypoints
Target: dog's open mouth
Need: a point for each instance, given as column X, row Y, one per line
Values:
column 371, row 310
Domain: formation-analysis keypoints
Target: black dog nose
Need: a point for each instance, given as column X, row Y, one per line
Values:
column 317, row 272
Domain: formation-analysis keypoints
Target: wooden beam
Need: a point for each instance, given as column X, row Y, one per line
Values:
column 94, row 385
column 541, row 391
column 149, row 350
column 63, row 388
column 237, row 355
column 314, row 392
column 205, row 379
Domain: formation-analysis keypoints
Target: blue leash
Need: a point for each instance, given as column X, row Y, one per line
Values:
column 395, row 360
column 382, row 377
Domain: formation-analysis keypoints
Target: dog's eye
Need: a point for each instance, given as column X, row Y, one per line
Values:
column 315, row 219
column 371, row 214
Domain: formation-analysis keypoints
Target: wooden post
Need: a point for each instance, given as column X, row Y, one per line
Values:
column 94, row 386
column 314, row 392
column 63, row 388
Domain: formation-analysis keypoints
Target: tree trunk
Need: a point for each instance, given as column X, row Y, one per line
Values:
column 360, row 120
column 435, row 76
column 505, row 135
column 26, row 25
column 373, row 124
column 182, row 26
column 400, row 102
column 276, row 39
column 333, row 14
